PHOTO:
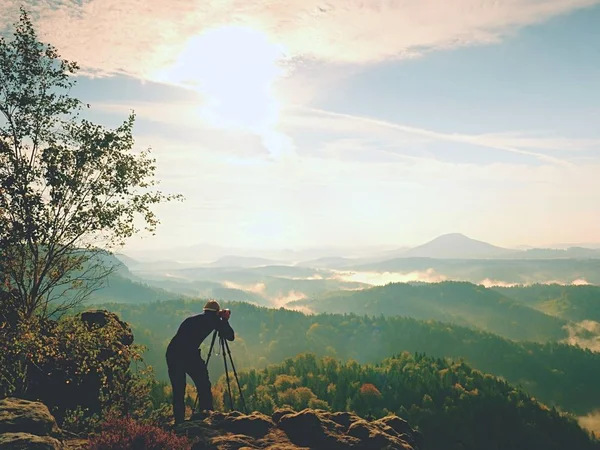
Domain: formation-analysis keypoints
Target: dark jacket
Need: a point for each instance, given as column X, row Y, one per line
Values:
column 195, row 329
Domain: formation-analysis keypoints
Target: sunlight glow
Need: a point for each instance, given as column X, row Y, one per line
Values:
column 234, row 68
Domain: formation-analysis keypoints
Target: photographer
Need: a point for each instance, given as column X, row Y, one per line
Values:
column 183, row 356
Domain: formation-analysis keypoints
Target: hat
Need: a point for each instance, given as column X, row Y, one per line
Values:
column 212, row 305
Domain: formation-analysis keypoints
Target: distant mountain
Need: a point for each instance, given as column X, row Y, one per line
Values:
column 554, row 253
column 331, row 262
column 128, row 261
column 205, row 253
column 593, row 245
column 455, row 245
column 243, row 261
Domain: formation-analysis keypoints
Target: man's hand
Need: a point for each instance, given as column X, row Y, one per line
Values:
column 225, row 314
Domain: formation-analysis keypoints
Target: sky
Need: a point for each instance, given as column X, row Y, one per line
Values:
column 303, row 123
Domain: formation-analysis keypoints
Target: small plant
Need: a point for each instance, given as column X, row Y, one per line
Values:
column 127, row 434
column 79, row 421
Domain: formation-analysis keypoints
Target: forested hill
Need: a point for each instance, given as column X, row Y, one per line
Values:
column 452, row 301
column 454, row 406
column 557, row 374
column 575, row 303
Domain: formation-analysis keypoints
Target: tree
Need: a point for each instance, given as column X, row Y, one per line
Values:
column 71, row 191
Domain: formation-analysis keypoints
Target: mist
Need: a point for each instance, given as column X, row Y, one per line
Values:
column 585, row 334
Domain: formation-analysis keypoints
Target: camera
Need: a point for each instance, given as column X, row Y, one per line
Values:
column 225, row 314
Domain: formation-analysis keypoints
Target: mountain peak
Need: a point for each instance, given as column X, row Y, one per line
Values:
column 456, row 245
column 452, row 236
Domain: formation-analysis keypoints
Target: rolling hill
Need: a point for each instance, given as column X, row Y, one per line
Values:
column 575, row 303
column 454, row 302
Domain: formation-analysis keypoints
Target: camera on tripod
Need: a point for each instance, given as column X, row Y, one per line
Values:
column 224, row 314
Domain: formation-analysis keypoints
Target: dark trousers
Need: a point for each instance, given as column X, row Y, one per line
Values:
column 180, row 365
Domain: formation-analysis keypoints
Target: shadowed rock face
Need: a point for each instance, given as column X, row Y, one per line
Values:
column 101, row 318
column 306, row 429
column 21, row 415
column 27, row 425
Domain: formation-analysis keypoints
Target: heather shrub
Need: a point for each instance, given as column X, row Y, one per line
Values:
column 129, row 434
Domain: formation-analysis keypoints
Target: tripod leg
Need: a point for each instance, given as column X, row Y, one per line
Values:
column 236, row 378
column 227, row 374
column 212, row 344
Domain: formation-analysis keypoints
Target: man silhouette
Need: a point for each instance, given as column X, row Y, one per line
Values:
column 183, row 356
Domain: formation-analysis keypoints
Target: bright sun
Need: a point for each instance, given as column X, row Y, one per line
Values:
column 234, row 68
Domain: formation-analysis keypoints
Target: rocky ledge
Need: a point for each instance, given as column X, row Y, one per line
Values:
column 30, row 425
column 306, row 429
column 27, row 425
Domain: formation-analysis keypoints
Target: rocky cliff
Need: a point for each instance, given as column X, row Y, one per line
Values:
column 29, row 425
column 307, row 429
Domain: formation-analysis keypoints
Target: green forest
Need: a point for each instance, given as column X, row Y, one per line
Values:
column 454, row 406
column 559, row 375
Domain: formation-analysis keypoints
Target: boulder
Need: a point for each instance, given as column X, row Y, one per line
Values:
column 256, row 425
column 342, row 418
column 309, row 429
column 100, row 318
column 22, row 441
column 279, row 413
column 373, row 436
column 399, row 425
column 17, row 415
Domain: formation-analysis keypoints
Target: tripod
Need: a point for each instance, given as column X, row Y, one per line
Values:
column 225, row 345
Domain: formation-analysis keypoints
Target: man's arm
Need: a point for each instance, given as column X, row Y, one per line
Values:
column 225, row 330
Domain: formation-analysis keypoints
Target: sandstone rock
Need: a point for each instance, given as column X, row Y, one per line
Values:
column 304, row 430
column 342, row 418
column 233, row 442
column 279, row 413
column 307, row 429
column 373, row 436
column 76, row 444
column 401, row 429
column 101, row 317
column 22, row 441
column 17, row 415
column 256, row 425
column 399, row 425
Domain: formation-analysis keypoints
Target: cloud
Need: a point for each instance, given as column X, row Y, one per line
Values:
column 257, row 288
column 488, row 282
column 591, row 422
column 484, row 140
column 346, row 136
column 138, row 37
column 283, row 299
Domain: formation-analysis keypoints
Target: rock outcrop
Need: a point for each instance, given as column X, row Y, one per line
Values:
column 100, row 318
column 27, row 425
column 58, row 383
column 306, row 429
